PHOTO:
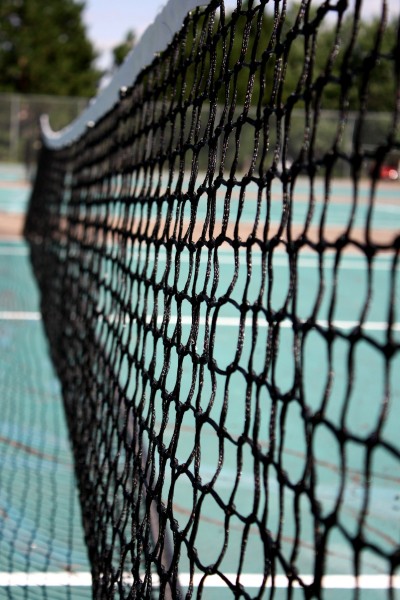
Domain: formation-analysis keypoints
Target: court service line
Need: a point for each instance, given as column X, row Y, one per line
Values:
column 248, row 580
column 285, row 324
column 281, row 260
column 10, row 315
column 221, row 321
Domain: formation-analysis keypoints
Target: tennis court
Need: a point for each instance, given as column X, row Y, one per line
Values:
column 42, row 546
column 202, row 385
column 40, row 526
column 41, row 529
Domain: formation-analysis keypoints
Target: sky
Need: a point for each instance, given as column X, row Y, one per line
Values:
column 108, row 21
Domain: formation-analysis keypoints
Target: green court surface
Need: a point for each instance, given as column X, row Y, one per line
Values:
column 357, row 411
column 14, row 199
column 40, row 529
column 40, row 524
column 12, row 172
column 336, row 211
column 14, row 189
column 14, row 196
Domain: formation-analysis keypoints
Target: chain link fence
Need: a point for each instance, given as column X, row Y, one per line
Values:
column 19, row 133
column 19, row 122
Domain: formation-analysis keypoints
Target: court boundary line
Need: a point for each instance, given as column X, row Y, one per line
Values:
column 13, row 315
column 9, row 315
column 249, row 580
column 348, row 262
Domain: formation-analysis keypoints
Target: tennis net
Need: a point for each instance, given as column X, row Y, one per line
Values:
column 217, row 253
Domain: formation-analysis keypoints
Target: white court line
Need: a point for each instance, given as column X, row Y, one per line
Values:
column 10, row 315
column 282, row 260
column 382, row 263
column 248, row 580
column 285, row 324
column 310, row 263
column 20, row 579
column 337, row 582
column 221, row 321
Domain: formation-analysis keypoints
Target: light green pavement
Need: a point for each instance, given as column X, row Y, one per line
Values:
column 40, row 524
column 40, row 533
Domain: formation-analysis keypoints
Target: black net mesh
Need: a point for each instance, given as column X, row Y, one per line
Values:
column 218, row 261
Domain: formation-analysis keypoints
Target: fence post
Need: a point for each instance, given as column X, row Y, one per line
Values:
column 15, row 105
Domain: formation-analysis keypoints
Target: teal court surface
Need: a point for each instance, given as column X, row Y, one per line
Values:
column 41, row 540
column 14, row 189
column 42, row 553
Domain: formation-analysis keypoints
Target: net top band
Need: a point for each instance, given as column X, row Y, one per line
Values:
column 154, row 40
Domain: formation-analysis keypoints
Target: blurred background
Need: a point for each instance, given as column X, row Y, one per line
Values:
column 56, row 55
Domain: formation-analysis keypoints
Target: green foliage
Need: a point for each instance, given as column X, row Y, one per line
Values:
column 122, row 50
column 362, row 56
column 269, row 61
column 330, row 68
column 302, row 57
column 44, row 48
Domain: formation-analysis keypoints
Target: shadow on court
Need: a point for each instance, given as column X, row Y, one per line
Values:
column 42, row 551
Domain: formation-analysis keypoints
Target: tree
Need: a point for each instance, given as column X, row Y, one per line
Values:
column 123, row 49
column 301, row 65
column 372, row 59
column 44, row 48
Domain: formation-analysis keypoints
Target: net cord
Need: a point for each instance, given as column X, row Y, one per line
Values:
column 153, row 41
